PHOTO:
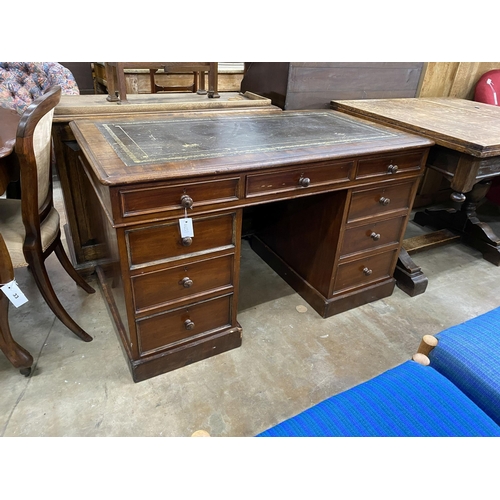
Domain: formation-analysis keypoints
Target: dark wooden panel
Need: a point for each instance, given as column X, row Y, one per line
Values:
column 354, row 78
column 300, row 85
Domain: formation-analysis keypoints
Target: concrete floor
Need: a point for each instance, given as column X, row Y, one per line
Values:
column 288, row 361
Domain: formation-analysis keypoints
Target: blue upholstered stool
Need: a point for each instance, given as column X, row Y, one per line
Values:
column 409, row 400
column 469, row 355
column 457, row 395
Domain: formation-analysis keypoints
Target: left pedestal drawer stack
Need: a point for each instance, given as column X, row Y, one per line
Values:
column 173, row 298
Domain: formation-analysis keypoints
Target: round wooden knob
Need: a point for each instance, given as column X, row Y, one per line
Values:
column 367, row 271
column 392, row 169
column 186, row 201
column 384, row 201
column 304, row 181
column 186, row 282
column 187, row 241
column 375, row 236
column 188, row 324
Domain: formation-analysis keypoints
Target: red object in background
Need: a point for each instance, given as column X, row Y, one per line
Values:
column 488, row 88
column 488, row 91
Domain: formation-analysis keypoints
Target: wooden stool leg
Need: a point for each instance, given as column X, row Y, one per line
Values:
column 110, row 82
column 202, row 89
column 213, row 76
column 122, row 84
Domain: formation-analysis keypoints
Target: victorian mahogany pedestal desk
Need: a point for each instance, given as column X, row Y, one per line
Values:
column 329, row 210
column 467, row 152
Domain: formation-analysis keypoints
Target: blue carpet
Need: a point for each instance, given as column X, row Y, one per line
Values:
column 469, row 355
column 409, row 400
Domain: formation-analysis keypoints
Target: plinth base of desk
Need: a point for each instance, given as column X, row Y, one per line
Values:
column 323, row 306
column 173, row 359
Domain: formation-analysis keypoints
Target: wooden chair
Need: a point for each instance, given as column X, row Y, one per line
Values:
column 31, row 226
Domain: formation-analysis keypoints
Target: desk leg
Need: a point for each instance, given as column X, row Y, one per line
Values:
column 465, row 222
column 409, row 277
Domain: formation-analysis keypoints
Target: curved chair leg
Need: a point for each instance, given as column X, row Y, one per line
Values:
column 44, row 285
column 17, row 355
column 68, row 267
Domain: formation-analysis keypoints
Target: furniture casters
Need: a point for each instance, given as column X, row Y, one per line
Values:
column 186, row 241
column 186, row 201
column 304, row 181
column 392, row 169
column 375, row 236
column 384, row 201
column 186, row 282
column 367, row 271
column 188, row 324
column 25, row 371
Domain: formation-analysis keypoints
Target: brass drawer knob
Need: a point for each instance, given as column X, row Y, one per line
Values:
column 186, row 282
column 304, row 181
column 188, row 324
column 375, row 236
column 367, row 271
column 186, row 201
column 392, row 169
column 384, row 201
column 187, row 241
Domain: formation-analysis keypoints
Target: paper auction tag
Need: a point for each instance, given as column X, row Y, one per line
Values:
column 186, row 226
column 14, row 293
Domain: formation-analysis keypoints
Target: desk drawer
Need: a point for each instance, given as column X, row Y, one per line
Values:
column 365, row 270
column 384, row 199
column 160, row 287
column 305, row 177
column 145, row 200
column 157, row 243
column 373, row 235
column 389, row 165
column 180, row 325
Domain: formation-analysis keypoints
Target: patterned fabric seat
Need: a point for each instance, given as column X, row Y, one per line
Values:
column 22, row 82
column 457, row 395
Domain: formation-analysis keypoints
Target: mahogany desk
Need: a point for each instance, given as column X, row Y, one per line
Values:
column 467, row 152
column 330, row 197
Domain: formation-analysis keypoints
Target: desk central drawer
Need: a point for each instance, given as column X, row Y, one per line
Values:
column 298, row 178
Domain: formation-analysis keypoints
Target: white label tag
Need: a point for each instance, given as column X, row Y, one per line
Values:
column 14, row 293
column 186, row 226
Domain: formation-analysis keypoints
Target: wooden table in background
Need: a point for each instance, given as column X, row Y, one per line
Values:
column 467, row 152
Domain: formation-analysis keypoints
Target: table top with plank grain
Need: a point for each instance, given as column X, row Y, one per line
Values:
column 465, row 126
